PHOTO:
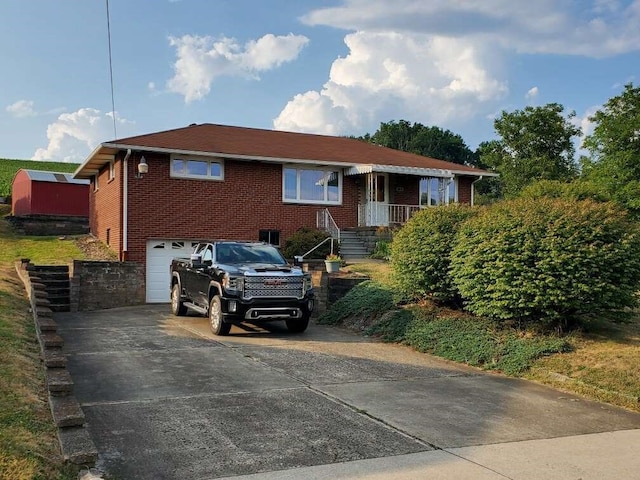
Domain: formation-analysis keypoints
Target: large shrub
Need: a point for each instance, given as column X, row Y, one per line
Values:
column 420, row 252
column 547, row 259
column 576, row 190
column 303, row 240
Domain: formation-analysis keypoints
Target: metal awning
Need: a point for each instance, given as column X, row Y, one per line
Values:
column 417, row 171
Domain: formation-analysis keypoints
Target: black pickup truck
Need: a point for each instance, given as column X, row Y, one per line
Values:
column 233, row 282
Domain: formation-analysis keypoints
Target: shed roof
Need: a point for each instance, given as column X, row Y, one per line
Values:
column 54, row 177
column 267, row 145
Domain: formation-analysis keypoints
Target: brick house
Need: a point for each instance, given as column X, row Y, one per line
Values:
column 221, row 182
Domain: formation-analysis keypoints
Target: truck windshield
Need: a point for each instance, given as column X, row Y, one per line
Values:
column 252, row 253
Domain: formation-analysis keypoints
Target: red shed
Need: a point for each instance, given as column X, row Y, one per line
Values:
column 36, row 192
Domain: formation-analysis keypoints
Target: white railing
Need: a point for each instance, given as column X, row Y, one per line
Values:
column 324, row 221
column 374, row 214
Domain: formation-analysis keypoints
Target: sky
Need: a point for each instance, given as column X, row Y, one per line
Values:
column 337, row 67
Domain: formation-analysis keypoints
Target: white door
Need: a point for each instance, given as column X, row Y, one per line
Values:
column 377, row 209
column 160, row 253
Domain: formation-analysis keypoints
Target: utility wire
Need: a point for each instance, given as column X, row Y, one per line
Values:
column 113, row 101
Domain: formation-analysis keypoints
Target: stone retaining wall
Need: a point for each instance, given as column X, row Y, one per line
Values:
column 50, row 225
column 75, row 443
column 330, row 287
column 100, row 285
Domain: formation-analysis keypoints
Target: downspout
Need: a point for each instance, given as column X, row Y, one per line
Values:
column 125, row 206
column 473, row 189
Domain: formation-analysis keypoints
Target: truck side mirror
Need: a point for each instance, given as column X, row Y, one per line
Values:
column 297, row 260
column 196, row 260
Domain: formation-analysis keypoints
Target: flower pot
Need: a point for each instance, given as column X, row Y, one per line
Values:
column 332, row 266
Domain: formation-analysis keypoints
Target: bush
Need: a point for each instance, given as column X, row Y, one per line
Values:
column 304, row 240
column 479, row 342
column 382, row 250
column 547, row 259
column 420, row 252
column 576, row 190
column 392, row 325
column 367, row 299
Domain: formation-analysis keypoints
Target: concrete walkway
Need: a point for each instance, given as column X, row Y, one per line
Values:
column 164, row 399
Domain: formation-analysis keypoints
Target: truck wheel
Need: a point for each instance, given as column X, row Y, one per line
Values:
column 177, row 307
column 218, row 327
column 298, row 326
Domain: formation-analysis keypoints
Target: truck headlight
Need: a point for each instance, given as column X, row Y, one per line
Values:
column 233, row 284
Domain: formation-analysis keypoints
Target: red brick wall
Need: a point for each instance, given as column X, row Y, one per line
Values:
column 105, row 207
column 410, row 186
column 464, row 189
column 248, row 200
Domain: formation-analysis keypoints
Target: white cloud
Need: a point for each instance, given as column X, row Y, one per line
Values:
column 21, row 109
column 74, row 135
column 594, row 28
column 390, row 75
column 532, row 93
column 440, row 61
column 200, row 60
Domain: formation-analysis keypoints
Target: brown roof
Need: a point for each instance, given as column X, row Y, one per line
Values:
column 273, row 144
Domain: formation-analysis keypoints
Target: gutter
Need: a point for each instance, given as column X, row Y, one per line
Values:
column 125, row 205
column 473, row 189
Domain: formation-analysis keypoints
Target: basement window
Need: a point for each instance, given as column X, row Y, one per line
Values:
column 269, row 236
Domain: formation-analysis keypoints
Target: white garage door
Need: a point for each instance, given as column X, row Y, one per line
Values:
column 159, row 256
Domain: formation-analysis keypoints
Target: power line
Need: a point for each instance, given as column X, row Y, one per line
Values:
column 113, row 101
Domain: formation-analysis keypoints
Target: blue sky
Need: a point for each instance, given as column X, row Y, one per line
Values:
column 334, row 67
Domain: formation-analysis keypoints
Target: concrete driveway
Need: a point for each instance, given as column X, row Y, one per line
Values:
column 165, row 399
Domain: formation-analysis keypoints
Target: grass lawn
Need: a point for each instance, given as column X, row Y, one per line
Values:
column 28, row 444
column 604, row 363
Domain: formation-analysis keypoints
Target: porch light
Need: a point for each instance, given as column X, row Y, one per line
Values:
column 143, row 167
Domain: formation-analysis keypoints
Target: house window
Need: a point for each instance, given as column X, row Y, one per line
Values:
column 108, row 236
column 437, row 191
column 112, row 170
column 311, row 185
column 269, row 236
column 196, row 167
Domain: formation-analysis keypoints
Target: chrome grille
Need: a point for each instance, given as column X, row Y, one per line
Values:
column 273, row 286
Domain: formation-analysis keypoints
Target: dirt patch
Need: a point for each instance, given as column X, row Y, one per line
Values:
column 94, row 249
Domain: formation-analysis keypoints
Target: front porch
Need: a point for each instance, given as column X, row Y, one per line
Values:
column 389, row 199
column 377, row 214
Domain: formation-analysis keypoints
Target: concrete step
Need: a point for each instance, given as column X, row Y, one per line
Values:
column 66, row 411
column 51, row 340
column 49, row 268
column 54, row 358
column 59, row 381
column 44, row 312
column 46, row 324
column 77, row 446
column 61, row 307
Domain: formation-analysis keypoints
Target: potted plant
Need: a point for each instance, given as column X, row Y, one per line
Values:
column 332, row 263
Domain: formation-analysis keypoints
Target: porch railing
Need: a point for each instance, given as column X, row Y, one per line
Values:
column 324, row 221
column 374, row 214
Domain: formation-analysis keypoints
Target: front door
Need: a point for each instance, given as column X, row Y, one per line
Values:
column 377, row 207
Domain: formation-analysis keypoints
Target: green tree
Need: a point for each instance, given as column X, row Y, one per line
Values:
column 427, row 141
column 535, row 143
column 614, row 148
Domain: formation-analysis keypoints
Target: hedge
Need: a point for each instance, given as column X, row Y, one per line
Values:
column 420, row 252
column 549, row 260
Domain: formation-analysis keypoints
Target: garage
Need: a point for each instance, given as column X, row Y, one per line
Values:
column 160, row 253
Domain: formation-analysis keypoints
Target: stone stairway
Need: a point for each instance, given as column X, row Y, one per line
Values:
column 351, row 247
column 55, row 279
